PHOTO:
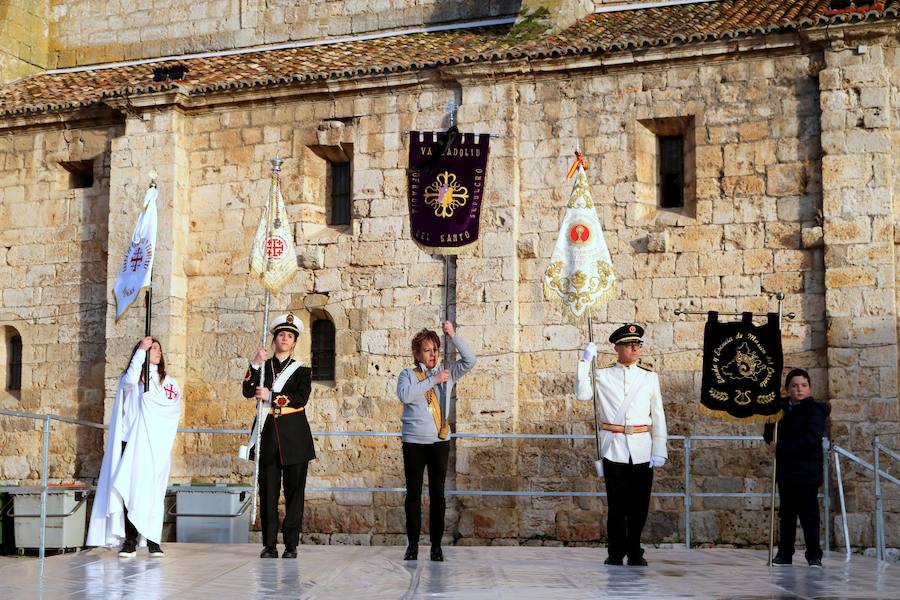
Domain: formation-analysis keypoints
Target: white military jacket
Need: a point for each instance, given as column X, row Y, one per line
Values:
column 640, row 388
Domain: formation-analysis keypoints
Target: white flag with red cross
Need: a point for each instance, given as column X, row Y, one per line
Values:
column 273, row 256
column 138, row 264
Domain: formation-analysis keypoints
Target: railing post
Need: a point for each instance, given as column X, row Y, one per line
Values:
column 687, row 492
column 826, row 493
column 45, row 473
column 879, row 524
column 840, row 482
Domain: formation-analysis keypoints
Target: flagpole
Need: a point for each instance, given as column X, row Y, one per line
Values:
column 148, row 307
column 260, row 413
column 780, row 297
column 590, row 323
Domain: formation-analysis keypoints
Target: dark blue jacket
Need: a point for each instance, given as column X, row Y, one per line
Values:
column 799, row 446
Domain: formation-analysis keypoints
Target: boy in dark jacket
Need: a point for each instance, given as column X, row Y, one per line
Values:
column 798, row 452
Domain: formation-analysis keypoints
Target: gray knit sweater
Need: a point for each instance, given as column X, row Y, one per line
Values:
column 418, row 424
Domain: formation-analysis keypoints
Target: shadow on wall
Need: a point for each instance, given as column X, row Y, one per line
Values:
column 469, row 10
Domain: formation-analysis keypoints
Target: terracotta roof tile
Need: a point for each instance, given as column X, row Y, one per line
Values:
column 595, row 34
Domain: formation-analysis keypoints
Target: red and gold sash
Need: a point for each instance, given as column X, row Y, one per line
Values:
column 434, row 406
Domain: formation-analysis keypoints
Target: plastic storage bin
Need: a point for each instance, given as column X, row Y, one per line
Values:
column 62, row 531
column 212, row 514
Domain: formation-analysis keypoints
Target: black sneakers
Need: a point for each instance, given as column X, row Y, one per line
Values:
column 815, row 563
column 129, row 549
column 781, row 561
column 155, row 550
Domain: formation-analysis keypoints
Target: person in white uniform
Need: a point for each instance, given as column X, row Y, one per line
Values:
column 632, row 438
column 131, row 490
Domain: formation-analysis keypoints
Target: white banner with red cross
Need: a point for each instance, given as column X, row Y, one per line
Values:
column 273, row 257
column 137, row 266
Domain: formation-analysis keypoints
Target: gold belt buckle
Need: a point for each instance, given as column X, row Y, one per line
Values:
column 276, row 411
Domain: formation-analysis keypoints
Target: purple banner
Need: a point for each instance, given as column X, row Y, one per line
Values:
column 446, row 186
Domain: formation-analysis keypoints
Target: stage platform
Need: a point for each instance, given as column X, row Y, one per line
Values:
column 220, row 572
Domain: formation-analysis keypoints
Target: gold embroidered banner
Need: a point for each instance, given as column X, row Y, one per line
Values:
column 742, row 365
column 446, row 186
column 580, row 274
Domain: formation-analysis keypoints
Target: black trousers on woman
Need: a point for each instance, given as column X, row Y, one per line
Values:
column 270, row 484
column 131, row 532
column 628, row 498
column 417, row 458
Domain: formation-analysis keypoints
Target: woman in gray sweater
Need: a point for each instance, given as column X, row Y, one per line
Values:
column 425, row 391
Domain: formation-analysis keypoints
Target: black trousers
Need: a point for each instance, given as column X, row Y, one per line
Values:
column 131, row 532
column 798, row 500
column 270, row 482
column 628, row 498
column 416, row 458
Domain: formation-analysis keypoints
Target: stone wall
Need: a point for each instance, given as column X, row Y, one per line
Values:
column 53, row 261
column 95, row 31
column 793, row 192
column 23, row 38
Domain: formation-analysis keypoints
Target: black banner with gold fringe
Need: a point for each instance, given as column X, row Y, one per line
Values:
column 742, row 365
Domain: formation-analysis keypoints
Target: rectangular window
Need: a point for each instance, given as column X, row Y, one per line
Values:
column 14, row 370
column 340, row 193
column 322, row 350
column 81, row 173
column 671, row 171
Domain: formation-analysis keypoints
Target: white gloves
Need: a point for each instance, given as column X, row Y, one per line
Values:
column 589, row 352
column 657, row 462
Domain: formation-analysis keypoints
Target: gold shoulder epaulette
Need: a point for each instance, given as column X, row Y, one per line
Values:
column 646, row 366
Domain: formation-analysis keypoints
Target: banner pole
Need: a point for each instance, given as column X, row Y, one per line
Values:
column 147, row 317
column 148, row 305
column 260, row 413
column 590, row 323
column 780, row 297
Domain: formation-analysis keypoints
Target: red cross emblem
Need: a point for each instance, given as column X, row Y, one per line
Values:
column 274, row 248
column 170, row 392
column 136, row 259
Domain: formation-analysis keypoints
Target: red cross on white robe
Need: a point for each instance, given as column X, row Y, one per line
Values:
column 170, row 392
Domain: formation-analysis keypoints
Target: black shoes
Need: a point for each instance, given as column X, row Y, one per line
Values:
column 155, row 550
column 129, row 549
column 781, row 561
column 289, row 552
column 412, row 553
column 269, row 552
column 815, row 563
column 632, row 562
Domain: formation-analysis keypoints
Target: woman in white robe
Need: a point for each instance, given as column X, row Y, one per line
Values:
column 129, row 503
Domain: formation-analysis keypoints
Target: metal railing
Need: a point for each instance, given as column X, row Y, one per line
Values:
column 877, row 449
column 687, row 495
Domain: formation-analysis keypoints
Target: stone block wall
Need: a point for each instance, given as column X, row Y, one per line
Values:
column 53, row 280
column 793, row 193
column 23, row 37
column 94, row 31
